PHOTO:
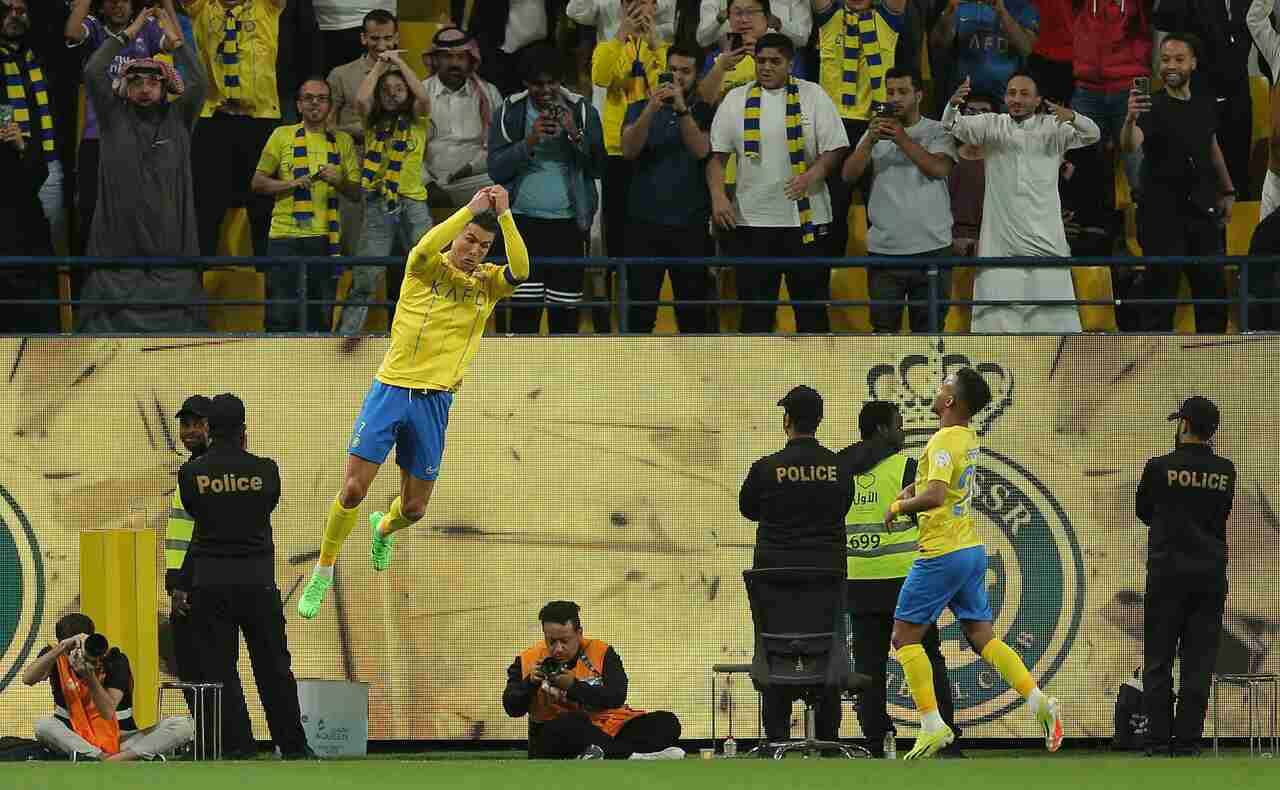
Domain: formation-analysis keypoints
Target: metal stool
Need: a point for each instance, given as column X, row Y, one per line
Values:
column 732, row 669
column 1259, row 688
column 206, row 701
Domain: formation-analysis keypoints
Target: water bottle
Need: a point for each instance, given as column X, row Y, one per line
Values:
column 890, row 746
column 730, row 747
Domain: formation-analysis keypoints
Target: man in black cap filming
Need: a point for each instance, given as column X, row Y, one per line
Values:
column 1185, row 498
column 230, row 495
column 799, row 495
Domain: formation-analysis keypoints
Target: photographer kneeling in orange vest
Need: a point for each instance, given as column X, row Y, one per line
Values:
column 574, row 690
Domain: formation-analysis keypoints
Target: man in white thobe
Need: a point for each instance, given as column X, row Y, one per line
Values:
column 1022, row 211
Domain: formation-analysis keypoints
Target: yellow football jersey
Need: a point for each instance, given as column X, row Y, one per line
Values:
column 442, row 311
column 952, row 457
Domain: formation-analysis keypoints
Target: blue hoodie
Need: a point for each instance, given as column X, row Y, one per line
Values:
column 509, row 154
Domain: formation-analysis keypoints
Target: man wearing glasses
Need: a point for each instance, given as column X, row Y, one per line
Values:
column 303, row 168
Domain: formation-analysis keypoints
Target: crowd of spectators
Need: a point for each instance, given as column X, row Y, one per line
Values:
column 717, row 129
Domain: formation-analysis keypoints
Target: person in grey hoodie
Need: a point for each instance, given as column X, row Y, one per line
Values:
column 546, row 147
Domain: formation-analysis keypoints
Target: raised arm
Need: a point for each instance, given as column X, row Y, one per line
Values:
column 97, row 79
column 75, row 30
column 944, row 30
column 513, row 242
column 364, row 95
column 1021, row 39
column 442, row 235
column 1258, row 20
column 712, row 15
column 197, row 85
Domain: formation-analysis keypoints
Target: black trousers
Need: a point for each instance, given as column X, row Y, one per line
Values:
column 186, row 656
column 842, row 193
column 613, row 205
column 551, row 238
column 775, row 709
column 872, row 636
column 1184, row 232
column 644, row 283
column 901, row 285
column 1235, row 136
column 219, row 615
column 1263, row 281
column 762, row 282
column 224, row 155
column 568, row 736
column 1183, row 619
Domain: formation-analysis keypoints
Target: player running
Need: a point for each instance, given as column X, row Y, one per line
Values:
column 445, row 300
column 952, row 568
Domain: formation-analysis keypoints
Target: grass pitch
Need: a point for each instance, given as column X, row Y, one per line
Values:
column 1080, row 771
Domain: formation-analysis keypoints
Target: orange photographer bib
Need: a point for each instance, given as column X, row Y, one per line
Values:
column 589, row 669
column 85, row 719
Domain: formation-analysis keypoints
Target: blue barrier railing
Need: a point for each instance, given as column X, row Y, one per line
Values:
column 935, row 303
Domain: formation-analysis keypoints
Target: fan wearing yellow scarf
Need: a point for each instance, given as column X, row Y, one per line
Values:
column 396, row 112
column 856, row 44
column 787, row 136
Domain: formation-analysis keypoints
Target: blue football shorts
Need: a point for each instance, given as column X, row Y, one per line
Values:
column 414, row 421
column 957, row 581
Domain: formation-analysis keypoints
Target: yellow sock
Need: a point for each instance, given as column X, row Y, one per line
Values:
column 394, row 521
column 336, row 529
column 919, row 677
column 1010, row 666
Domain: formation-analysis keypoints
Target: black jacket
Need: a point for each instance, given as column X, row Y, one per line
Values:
column 230, row 494
column 800, row 496
column 1185, row 498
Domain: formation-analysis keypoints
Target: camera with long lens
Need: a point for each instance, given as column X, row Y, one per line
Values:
column 552, row 666
column 94, row 650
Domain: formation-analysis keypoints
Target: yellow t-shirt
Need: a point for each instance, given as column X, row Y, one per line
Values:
column 258, row 43
column 742, row 74
column 442, row 311
column 952, row 457
column 612, row 68
column 831, row 64
column 411, row 185
column 277, row 162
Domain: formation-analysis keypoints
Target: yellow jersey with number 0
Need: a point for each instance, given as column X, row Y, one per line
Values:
column 951, row 456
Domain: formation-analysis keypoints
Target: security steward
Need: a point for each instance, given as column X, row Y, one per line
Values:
column 230, row 494
column 1185, row 498
column 799, row 496
column 878, row 563
column 193, row 431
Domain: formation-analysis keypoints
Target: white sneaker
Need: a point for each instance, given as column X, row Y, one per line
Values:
column 669, row 753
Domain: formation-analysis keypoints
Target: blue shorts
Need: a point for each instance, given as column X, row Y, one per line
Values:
column 412, row 420
column 957, row 581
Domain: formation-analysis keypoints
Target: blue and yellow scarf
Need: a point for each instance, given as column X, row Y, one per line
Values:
column 795, row 143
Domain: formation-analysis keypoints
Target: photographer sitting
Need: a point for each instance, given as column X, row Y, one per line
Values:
column 93, row 700
column 574, row 690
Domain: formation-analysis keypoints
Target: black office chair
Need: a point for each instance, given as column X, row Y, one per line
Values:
column 798, row 615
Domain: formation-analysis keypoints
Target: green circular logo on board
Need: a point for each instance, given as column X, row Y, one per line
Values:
column 22, row 588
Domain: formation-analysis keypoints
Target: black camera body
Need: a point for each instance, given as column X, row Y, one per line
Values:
column 552, row 666
column 882, row 109
column 95, row 647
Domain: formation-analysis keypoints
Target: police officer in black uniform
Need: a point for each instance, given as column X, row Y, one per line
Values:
column 799, row 496
column 230, row 494
column 1185, row 498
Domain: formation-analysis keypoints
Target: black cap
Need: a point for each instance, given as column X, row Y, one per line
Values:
column 195, row 406
column 1200, row 413
column 226, row 412
column 803, row 403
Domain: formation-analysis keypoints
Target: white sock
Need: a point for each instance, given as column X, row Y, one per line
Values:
column 1038, row 701
column 932, row 721
column 323, row 570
